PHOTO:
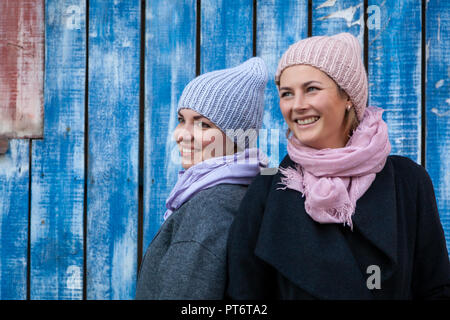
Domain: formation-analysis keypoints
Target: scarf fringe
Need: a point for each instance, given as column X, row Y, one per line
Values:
column 290, row 179
column 364, row 155
column 343, row 213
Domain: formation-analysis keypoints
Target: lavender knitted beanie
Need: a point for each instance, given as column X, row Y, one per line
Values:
column 339, row 56
column 231, row 98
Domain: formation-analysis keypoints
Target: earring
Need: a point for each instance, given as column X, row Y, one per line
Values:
column 349, row 107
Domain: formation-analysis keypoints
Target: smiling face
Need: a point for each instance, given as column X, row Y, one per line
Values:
column 199, row 139
column 313, row 107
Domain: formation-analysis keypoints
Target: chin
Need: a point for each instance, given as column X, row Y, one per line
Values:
column 186, row 166
column 306, row 140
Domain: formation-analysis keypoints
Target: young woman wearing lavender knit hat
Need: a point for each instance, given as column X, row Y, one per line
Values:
column 342, row 219
column 216, row 112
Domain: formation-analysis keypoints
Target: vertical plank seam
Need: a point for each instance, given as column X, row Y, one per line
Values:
column 140, row 231
column 198, row 38
column 309, row 18
column 366, row 39
column 255, row 22
column 86, row 152
column 423, row 85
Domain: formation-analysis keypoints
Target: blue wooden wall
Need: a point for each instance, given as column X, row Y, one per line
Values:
column 79, row 208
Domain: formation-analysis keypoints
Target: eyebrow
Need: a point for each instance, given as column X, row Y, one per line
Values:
column 303, row 85
column 194, row 117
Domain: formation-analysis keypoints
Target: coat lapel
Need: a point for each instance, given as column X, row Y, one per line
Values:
column 317, row 257
column 376, row 219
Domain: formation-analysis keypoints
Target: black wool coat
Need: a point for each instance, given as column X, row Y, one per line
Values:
column 276, row 251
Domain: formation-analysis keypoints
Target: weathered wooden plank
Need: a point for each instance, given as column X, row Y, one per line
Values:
column 331, row 17
column 14, row 173
column 395, row 71
column 169, row 66
column 279, row 25
column 437, row 142
column 57, row 187
column 226, row 33
column 21, row 68
column 113, row 158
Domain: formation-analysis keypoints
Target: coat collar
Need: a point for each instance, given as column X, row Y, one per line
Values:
column 317, row 257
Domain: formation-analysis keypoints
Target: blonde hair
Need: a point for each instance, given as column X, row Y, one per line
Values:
column 350, row 119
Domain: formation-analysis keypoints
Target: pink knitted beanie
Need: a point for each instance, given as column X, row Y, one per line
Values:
column 339, row 56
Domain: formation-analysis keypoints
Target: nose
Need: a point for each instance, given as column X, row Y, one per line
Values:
column 298, row 103
column 184, row 133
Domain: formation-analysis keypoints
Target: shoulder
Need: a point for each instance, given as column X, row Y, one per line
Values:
column 409, row 172
column 222, row 197
column 263, row 184
column 206, row 217
column 404, row 164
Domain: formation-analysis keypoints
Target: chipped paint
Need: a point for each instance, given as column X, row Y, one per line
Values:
column 439, row 114
column 21, row 68
column 74, row 280
column 328, row 3
column 438, row 107
column 112, row 199
column 14, row 186
column 346, row 14
column 439, row 83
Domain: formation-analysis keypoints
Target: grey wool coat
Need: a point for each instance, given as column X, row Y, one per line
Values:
column 276, row 251
column 187, row 257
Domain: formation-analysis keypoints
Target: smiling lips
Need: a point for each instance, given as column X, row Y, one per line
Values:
column 307, row 120
column 187, row 151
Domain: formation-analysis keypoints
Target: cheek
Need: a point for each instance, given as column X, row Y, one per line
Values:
column 328, row 107
column 285, row 110
column 207, row 138
column 333, row 118
column 176, row 133
column 214, row 143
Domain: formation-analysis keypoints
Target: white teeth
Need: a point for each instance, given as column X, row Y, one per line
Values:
column 308, row 121
column 186, row 150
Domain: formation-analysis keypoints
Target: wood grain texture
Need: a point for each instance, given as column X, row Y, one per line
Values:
column 111, row 139
column 279, row 25
column 332, row 17
column 57, row 186
column 395, row 73
column 226, row 33
column 438, row 106
column 169, row 66
column 14, row 179
column 113, row 158
column 21, row 68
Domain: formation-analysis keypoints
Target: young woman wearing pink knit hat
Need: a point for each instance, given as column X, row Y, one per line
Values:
column 342, row 219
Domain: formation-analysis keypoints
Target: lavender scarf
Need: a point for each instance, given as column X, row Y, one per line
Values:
column 238, row 168
column 332, row 180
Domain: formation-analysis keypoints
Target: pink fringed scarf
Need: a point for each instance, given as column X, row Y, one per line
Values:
column 332, row 180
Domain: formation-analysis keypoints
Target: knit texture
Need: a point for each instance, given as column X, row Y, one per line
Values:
column 231, row 98
column 339, row 56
